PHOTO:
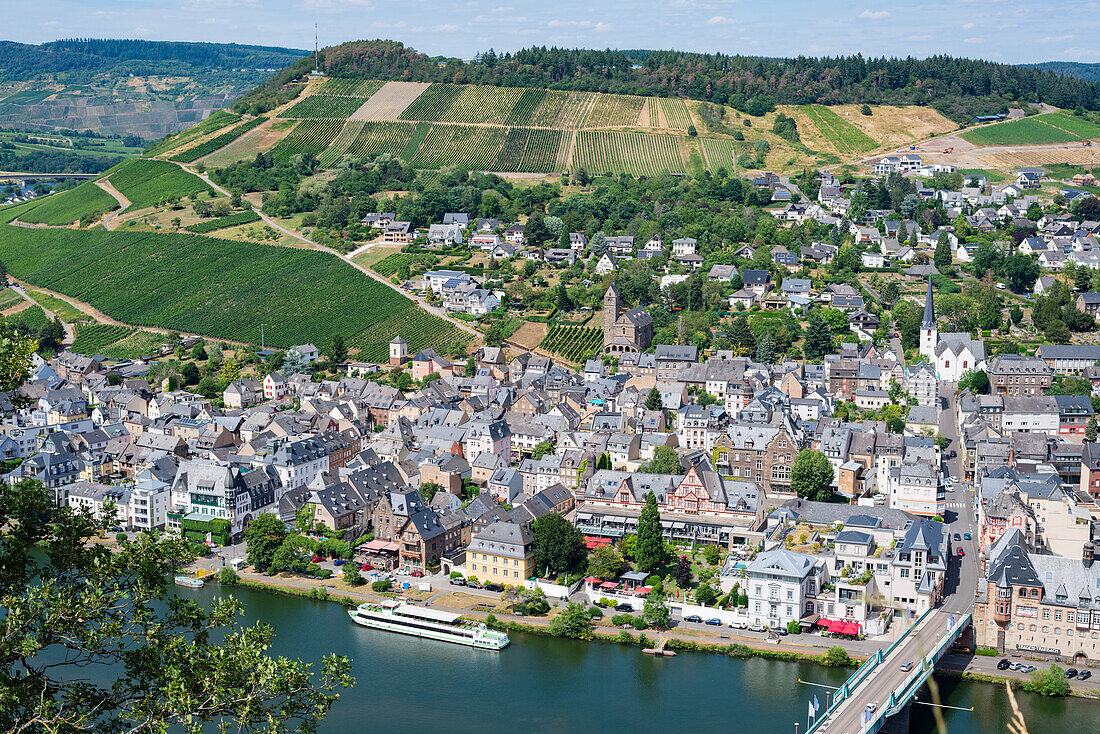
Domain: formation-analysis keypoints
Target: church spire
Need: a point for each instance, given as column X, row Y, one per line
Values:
column 929, row 321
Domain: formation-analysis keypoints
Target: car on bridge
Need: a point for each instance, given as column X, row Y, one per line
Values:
column 906, row 666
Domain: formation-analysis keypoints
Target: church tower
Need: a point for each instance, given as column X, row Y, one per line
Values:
column 929, row 336
column 610, row 312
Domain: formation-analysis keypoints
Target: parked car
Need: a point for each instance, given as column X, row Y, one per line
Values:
column 693, row 618
column 738, row 626
column 906, row 667
column 1014, row 666
column 781, row 631
column 417, row 574
column 966, row 536
column 316, row 559
column 1026, row 668
column 960, row 552
column 494, row 587
column 756, row 628
column 954, row 479
column 623, row 608
column 473, row 585
column 952, row 454
column 1071, row 673
column 958, row 537
column 1084, row 675
column 458, row 582
column 339, row 562
column 1003, row 664
column 367, row 567
column 714, row 622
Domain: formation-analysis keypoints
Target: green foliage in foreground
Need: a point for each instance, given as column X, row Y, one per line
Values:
column 224, row 289
column 135, row 656
column 1049, row 682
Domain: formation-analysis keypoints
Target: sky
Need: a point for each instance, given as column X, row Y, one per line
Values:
column 1011, row 31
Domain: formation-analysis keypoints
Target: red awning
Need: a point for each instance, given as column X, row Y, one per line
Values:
column 596, row 542
column 836, row 626
column 609, row 585
column 851, row 628
column 378, row 546
column 593, row 580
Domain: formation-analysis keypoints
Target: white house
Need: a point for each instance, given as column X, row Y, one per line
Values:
column 782, row 586
column 915, row 487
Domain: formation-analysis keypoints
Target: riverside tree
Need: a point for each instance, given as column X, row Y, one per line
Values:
column 649, row 549
column 264, row 536
column 559, row 547
column 92, row 641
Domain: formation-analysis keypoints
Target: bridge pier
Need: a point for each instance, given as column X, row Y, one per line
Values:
column 898, row 723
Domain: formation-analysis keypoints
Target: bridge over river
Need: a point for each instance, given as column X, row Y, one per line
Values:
column 882, row 683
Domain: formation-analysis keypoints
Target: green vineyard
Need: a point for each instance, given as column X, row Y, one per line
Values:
column 527, row 149
column 217, row 120
column 719, row 153
column 574, row 343
column 221, row 288
column 92, row 338
column 639, row 154
column 147, row 183
column 390, row 264
column 215, row 143
column 432, row 103
column 70, row 206
column 311, row 136
column 474, row 148
column 614, row 110
column 676, row 113
column 231, row 220
column 370, row 139
column 337, row 87
column 322, row 107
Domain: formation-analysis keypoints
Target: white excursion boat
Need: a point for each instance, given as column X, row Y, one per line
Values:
column 190, row 582
column 432, row 624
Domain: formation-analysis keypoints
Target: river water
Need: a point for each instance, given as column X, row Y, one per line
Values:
column 541, row 684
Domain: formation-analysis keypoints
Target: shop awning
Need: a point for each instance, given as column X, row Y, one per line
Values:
column 380, row 546
column 591, row 543
column 851, row 628
column 609, row 585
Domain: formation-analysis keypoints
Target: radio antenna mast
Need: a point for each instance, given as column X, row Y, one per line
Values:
column 316, row 52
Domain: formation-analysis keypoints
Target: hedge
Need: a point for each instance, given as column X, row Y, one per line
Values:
column 198, row 529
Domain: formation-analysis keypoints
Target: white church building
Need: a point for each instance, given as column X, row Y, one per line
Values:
column 951, row 354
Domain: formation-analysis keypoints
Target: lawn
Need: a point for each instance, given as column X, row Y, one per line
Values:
column 1028, row 131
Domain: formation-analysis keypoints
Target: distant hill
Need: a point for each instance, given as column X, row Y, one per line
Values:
column 958, row 87
column 1075, row 69
column 125, row 87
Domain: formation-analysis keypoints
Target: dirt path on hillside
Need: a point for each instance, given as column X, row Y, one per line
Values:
column 70, row 332
column 435, row 311
column 123, row 202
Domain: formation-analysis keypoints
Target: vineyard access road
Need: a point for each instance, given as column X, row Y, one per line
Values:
column 70, row 333
column 123, row 202
column 434, row 310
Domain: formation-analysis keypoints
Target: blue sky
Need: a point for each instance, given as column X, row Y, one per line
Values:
column 1014, row 31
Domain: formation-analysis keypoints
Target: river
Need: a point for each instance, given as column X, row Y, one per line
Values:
column 539, row 683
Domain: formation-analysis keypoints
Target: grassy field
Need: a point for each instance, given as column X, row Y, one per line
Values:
column 220, row 288
column 845, row 137
column 1078, row 126
column 70, row 206
column 1028, row 131
column 639, row 154
column 147, row 183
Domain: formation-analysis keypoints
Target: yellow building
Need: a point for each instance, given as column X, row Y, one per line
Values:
column 502, row 553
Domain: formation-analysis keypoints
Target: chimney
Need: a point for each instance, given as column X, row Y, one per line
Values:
column 1087, row 552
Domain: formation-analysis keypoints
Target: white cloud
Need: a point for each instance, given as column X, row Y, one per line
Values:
column 446, row 28
column 601, row 26
column 967, row 26
column 1057, row 39
column 721, row 20
column 973, row 39
column 874, row 14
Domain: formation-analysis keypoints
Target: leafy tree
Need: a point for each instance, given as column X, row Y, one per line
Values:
column 765, row 348
column 890, row 292
column 1049, row 682
column 338, row 352
column 606, row 563
column 665, row 461
column 198, row 352
column 572, row 622
column 819, row 338
column 653, row 400
column 706, row 595
column 1082, row 280
column 712, row 554
column 942, row 256
column 293, row 555
column 649, row 550
column 352, row 577
column 228, row 577
column 558, row 546
column 190, row 374
column 742, row 336
column 93, row 640
column 989, row 313
column 542, row 448
column 1015, row 315
column 565, row 304
column 865, row 110
column 656, row 611
column 812, row 475
column 837, row 657
column 427, row 491
column 682, row 573
column 208, row 387
column 628, row 545
column 977, row 381
column 1090, row 430
column 264, row 536
column 794, row 627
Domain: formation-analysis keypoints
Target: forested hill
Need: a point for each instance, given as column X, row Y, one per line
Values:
column 957, row 87
column 80, row 57
column 1089, row 72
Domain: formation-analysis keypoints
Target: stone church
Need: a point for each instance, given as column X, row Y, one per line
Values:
column 629, row 331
